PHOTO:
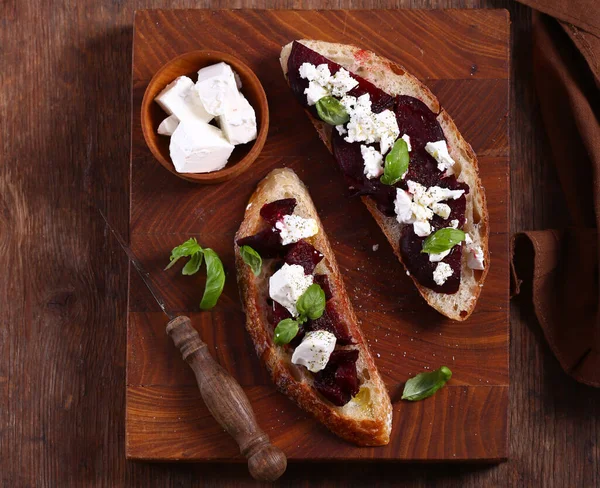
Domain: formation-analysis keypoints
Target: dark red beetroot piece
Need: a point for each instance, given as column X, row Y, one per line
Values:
column 275, row 211
column 323, row 281
column 267, row 243
column 338, row 382
column 303, row 254
column 422, row 269
column 331, row 322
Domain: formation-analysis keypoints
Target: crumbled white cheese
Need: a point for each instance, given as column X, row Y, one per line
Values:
column 292, row 228
column 288, row 284
column 439, row 151
column 320, row 74
column 474, row 254
column 341, row 83
column 407, row 140
column 422, row 200
column 322, row 83
column 434, row 258
column 314, row 350
column 441, row 209
column 439, row 194
column 403, row 207
column 454, row 224
column 315, row 92
column 373, row 161
column 475, row 257
column 341, row 130
column 419, row 204
column 368, row 127
column 442, row 272
column 168, row 126
column 422, row 229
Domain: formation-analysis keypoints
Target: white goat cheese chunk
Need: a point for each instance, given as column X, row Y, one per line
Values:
column 322, row 83
column 434, row 258
column 238, row 121
column 368, row 127
column 168, row 126
column 441, row 209
column 197, row 147
column 216, row 88
column 439, row 151
column 288, row 284
column 406, row 139
column 314, row 350
column 292, row 228
column 373, row 161
column 180, row 99
column 442, row 272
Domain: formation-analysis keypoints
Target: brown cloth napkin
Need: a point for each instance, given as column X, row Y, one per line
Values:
column 563, row 266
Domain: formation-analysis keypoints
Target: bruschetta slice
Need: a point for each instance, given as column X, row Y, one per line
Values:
column 299, row 315
column 402, row 153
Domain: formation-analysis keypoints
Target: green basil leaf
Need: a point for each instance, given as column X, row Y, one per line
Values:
column 396, row 163
column 188, row 248
column 193, row 265
column 285, row 331
column 442, row 240
column 215, row 279
column 312, row 302
column 426, row 384
column 330, row 110
column 252, row 259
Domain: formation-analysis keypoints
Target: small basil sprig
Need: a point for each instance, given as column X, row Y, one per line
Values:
column 425, row 385
column 330, row 110
column 215, row 274
column 310, row 305
column 285, row 331
column 396, row 163
column 442, row 240
column 252, row 259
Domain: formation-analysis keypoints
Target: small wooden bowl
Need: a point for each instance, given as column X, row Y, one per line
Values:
column 188, row 64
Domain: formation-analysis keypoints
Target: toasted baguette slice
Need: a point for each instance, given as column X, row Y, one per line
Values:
column 366, row 423
column 394, row 80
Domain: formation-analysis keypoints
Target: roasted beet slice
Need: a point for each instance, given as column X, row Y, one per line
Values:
column 275, row 211
column 331, row 322
column 323, row 281
column 341, row 356
column 267, row 243
column 416, row 120
column 422, row 269
column 346, row 378
column 278, row 313
column 332, row 392
column 305, row 255
column 338, row 382
column 351, row 163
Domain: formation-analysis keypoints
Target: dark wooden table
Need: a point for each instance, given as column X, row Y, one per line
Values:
column 65, row 70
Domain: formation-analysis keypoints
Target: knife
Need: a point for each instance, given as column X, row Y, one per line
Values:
column 221, row 393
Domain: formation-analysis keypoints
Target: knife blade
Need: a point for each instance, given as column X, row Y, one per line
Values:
column 140, row 269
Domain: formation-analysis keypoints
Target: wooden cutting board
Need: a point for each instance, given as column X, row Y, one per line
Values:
column 462, row 55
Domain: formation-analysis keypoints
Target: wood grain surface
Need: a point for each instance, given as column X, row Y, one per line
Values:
column 65, row 72
column 470, row 67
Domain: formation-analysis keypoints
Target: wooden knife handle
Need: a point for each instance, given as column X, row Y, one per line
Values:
column 228, row 403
